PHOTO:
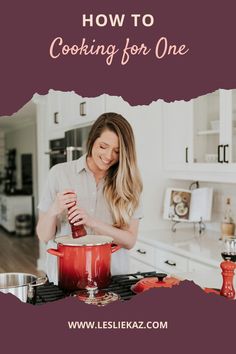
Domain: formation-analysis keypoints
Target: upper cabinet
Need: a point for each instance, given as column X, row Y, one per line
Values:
column 67, row 110
column 215, row 127
column 177, row 125
column 206, row 128
column 206, row 131
column 53, row 119
column 232, row 127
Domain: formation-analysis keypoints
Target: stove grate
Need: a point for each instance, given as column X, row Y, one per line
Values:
column 120, row 284
column 48, row 293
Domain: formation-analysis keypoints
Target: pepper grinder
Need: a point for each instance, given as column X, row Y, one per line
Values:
column 77, row 230
column 227, row 289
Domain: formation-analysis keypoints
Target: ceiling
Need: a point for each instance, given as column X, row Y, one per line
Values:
column 25, row 116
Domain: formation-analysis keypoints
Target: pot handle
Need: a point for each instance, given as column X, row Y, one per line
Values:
column 55, row 252
column 39, row 281
column 115, row 247
column 33, row 285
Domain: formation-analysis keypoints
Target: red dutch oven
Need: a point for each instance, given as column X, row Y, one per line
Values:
column 160, row 281
column 83, row 261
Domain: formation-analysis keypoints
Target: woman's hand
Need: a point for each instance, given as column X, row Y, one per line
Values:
column 78, row 216
column 124, row 237
column 62, row 202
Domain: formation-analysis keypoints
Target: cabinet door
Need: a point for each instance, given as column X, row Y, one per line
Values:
column 200, row 267
column 74, row 110
column 170, row 263
column 79, row 110
column 137, row 266
column 231, row 141
column 212, row 138
column 144, row 253
column 54, row 119
column 70, row 109
column 204, row 275
column 177, row 135
column 206, row 128
column 67, row 110
column 94, row 107
column 214, row 129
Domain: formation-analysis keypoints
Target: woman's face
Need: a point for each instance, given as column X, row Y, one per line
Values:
column 105, row 151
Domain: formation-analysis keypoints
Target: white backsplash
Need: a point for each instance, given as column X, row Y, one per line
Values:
column 221, row 191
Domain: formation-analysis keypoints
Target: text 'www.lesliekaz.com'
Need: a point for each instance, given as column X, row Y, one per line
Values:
column 121, row 325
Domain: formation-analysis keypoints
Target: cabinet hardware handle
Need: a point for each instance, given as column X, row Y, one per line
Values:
column 170, row 263
column 225, row 146
column 141, row 251
column 56, row 120
column 186, row 154
column 82, row 108
column 218, row 153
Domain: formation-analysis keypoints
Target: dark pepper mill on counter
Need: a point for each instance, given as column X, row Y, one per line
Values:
column 77, row 230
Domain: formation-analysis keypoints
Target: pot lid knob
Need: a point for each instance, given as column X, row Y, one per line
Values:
column 161, row 276
column 91, row 287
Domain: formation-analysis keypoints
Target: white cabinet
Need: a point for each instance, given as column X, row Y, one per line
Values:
column 10, row 206
column 94, row 107
column 54, row 119
column 230, row 126
column 144, row 253
column 177, row 142
column 77, row 110
column 170, row 263
column 199, row 267
column 147, row 257
column 200, row 139
column 214, row 128
column 136, row 266
column 67, row 110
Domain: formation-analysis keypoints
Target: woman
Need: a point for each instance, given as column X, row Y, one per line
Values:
column 106, row 185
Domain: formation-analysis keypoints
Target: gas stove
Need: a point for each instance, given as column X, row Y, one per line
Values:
column 120, row 284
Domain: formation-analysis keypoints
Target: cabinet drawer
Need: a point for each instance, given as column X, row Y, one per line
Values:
column 170, row 262
column 143, row 252
column 138, row 266
column 199, row 267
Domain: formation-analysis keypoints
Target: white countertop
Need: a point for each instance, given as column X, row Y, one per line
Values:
column 204, row 248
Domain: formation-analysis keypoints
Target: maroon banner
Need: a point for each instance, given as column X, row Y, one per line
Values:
column 169, row 320
column 142, row 51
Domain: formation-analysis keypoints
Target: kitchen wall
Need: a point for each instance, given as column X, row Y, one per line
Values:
column 23, row 139
column 221, row 191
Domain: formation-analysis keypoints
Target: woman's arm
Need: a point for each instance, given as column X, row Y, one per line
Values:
column 125, row 237
column 46, row 227
column 47, row 223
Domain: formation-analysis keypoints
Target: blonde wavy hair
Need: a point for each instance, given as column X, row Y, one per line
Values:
column 123, row 184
